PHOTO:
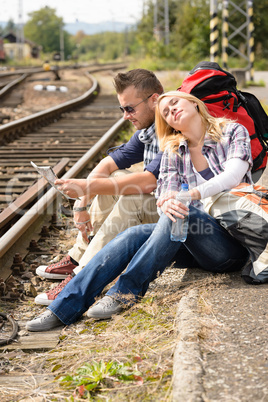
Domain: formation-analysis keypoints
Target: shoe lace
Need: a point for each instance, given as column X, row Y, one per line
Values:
column 108, row 302
column 57, row 289
column 65, row 260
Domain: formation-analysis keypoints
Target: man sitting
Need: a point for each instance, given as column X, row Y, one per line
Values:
column 121, row 199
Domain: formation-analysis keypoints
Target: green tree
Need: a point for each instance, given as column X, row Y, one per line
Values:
column 188, row 26
column 106, row 45
column 151, row 40
column 44, row 28
column 10, row 27
column 190, row 36
column 190, row 31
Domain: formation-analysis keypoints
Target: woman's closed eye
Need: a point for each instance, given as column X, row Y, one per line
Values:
column 165, row 112
column 172, row 102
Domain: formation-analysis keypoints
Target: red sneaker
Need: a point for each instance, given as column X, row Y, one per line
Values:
column 46, row 298
column 59, row 270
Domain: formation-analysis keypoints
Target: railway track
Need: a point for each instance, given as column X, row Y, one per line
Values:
column 11, row 91
column 68, row 137
column 7, row 82
column 8, row 96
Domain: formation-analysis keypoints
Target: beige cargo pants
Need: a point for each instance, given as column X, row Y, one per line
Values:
column 111, row 215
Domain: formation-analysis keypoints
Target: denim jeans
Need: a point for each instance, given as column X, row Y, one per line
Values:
column 146, row 250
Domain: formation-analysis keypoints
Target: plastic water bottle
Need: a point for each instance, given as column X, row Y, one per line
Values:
column 179, row 228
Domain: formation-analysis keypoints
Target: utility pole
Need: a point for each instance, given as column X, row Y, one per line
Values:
column 214, row 32
column 161, row 20
column 244, row 29
column 166, row 14
column 225, row 29
column 20, row 33
column 250, row 25
column 61, row 42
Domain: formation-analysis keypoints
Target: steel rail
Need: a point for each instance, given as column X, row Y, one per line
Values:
column 12, row 84
column 22, row 71
column 90, row 67
column 17, row 207
column 20, row 227
column 15, row 128
column 23, row 224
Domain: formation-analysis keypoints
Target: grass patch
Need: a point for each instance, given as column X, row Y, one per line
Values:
column 128, row 358
column 260, row 83
column 91, row 377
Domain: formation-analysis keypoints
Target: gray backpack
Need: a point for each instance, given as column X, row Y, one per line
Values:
column 243, row 211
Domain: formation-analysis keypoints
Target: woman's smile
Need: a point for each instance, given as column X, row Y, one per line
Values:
column 177, row 114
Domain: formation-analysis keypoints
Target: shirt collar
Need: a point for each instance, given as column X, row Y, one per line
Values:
column 147, row 134
column 208, row 143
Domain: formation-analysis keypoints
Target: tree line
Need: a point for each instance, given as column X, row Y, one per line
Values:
column 189, row 35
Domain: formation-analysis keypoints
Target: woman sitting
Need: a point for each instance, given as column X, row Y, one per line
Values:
column 243, row 211
column 211, row 155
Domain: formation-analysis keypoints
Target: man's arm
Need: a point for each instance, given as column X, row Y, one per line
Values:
column 121, row 158
column 104, row 168
column 81, row 214
column 134, row 183
column 99, row 182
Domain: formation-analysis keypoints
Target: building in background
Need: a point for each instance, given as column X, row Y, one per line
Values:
column 2, row 52
column 15, row 50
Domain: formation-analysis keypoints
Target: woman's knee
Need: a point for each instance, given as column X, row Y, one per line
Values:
column 230, row 264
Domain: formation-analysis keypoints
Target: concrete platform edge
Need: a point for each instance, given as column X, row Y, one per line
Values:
column 187, row 360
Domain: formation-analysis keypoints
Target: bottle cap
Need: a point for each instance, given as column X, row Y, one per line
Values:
column 184, row 186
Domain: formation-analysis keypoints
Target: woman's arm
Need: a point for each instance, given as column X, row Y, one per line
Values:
column 235, row 170
column 237, row 151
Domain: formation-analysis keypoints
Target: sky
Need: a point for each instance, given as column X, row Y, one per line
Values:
column 90, row 11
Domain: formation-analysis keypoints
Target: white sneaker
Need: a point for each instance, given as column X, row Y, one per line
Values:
column 44, row 322
column 105, row 308
column 43, row 299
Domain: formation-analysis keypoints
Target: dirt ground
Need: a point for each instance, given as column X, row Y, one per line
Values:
column 232, row 335
column 33, row 100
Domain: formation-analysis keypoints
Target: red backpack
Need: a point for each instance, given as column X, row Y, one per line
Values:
column 217, row 88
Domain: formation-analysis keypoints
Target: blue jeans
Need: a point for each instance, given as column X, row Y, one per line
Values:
column 146, row 250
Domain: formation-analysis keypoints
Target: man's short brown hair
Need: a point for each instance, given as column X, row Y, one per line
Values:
column 143, row 80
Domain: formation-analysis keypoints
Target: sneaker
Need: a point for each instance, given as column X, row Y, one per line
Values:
column 44, row 322
column 59, row 270
column 105, row 308
column 47, row 298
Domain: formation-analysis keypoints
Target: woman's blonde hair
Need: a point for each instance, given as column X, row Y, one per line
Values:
column 168, row 138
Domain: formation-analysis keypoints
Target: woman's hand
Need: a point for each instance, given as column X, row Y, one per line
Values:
column 165, row 197
column 172, row 207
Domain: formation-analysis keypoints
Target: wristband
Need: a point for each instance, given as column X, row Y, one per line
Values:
column 79, row 209
column 81, row 223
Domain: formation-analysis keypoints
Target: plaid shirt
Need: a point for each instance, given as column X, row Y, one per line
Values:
column 151, row 147
column 177, row 168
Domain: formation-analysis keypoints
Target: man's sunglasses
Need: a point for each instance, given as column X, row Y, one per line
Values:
column 131, row 109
